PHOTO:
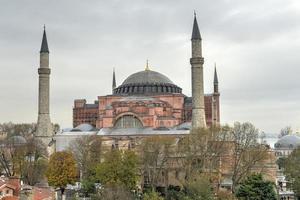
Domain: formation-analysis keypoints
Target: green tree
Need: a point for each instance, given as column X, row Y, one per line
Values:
column 113, row 193
column 118, row 168
column 152, row 196
column 61, row 170
column 255, row 188
column 292, row 170
column 199, row 188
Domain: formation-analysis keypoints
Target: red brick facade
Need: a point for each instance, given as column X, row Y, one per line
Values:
column 166, row 110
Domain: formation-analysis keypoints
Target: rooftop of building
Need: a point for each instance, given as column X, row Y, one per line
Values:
column 146, row 82
column 288, row 141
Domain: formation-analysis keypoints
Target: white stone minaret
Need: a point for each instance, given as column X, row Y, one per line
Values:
column 44, row 127
column 197, row 61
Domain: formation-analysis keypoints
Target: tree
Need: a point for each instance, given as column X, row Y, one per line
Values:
column 285, row 131
column 10, row 129
column 24, row 129
column 113, row 193
column 200, row 151
column 62, row 170
column 247, row 152
column 152, row 196
column 292, row 170
column 255, row 188
column 35, row 162
column 87, row 153
column 199, row 188
column 24, row 158
column 118, row 168
column 156, row 152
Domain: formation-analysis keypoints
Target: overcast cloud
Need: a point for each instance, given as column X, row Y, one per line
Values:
column 255, row 44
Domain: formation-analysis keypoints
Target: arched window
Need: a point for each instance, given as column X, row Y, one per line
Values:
column 128, row 121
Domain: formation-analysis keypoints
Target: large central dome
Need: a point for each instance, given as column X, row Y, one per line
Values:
column 147, row 82
column 147, row 76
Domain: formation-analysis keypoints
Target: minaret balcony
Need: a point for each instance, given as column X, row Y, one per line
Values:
column 197, row 60
column 44, row 70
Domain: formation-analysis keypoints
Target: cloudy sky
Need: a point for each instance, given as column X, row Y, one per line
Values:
column 256, row 45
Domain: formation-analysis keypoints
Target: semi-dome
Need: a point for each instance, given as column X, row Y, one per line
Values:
column 147, row 82
column 288, row 141
column 83, row 128
column 17, row 140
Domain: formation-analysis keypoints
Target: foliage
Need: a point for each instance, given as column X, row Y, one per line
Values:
column 118, row 168
column 27, row 160
column 292, row 170
column 35, row 162
column 113, row 193
column 62, row 169
column 87, row 153
column 87, row 187
column 281, row 162
column 225, row 195
column 199, row 188
column 174, row 193
column 247, row 153
column 255, row 188
column 24, row 129
column 201, row 151
column 11, row 129
column 156, row 151
column 285, row 131
column 152, row 196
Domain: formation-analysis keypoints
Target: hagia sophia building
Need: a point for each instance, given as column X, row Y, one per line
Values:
column 146, row 103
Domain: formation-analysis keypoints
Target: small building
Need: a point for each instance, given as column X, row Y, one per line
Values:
column 9, row 188
column 283, row 148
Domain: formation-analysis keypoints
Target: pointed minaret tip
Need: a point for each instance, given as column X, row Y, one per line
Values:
column 216, row 75
column 44, row 46
column 196, row 33
column 114, row 80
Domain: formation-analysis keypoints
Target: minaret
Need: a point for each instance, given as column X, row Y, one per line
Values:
column 114, row 81
column 197, row 61
column 216, row 100
column 44, row 127
column 216, row 82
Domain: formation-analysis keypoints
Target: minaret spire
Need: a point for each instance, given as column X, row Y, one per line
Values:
column 44, row 46
column 114, row 81
column 196, row 33
column 197, row 61
column 216, row 82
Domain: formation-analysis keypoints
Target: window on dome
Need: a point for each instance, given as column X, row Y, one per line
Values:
column 128, row 121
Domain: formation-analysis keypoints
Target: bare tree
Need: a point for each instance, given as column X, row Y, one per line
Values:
column 246, row 151
column 200, row 151
column 26, row 158
column 87, row 153
column 156, row 152
column 285, row 131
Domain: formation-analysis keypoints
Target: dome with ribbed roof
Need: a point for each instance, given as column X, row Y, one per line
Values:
column 147, row 82
column 147, row 76
column 288, row 141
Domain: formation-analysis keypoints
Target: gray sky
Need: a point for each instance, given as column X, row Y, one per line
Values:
column 255, row 44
